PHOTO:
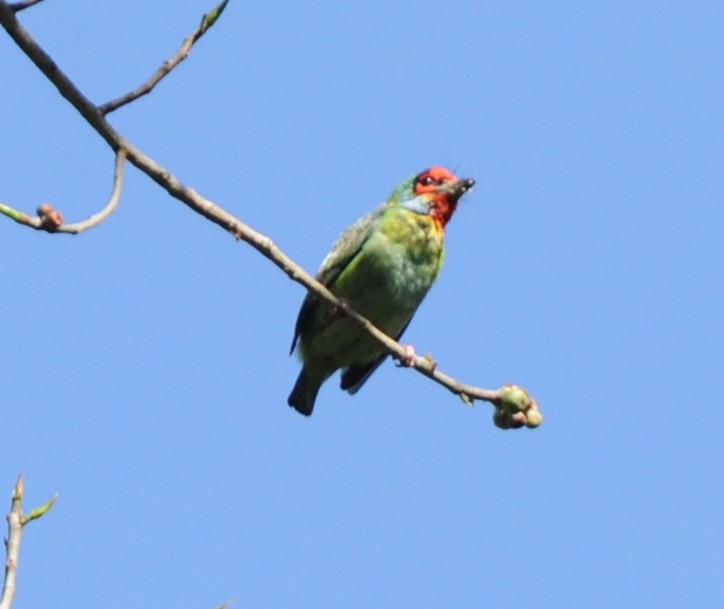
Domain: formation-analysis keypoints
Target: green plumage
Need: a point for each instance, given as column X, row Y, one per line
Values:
column 382, row 266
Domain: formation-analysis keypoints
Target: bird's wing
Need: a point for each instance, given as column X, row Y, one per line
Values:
column 343, row 251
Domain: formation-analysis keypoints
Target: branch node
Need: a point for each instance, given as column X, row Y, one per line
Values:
column 50, row 218
column 39, row 511
column 430, row 362
column 466, row 399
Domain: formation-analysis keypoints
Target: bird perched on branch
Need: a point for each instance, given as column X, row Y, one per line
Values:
column 381, row 267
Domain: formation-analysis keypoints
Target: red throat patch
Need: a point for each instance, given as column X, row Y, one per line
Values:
column 429, row 181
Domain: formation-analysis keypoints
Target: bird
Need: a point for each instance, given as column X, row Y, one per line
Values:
column 381, row 267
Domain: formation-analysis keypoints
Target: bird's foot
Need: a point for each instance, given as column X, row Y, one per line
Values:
column 409, row 358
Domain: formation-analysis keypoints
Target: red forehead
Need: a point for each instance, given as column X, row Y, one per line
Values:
column 430, row 179
column 439, row 173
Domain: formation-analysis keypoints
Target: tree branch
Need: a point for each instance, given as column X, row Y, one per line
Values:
column 51, row 221
column 206, row 22
column 19, row 6
column 16, row 521
column 514, row 407
column 12, row 545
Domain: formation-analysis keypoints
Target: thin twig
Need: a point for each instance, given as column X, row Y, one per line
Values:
column 499, row 398
column 12, row 544
column 50, row 220
column 16, row 521
column 19, row 6
column 206, row 22
column 112, row 201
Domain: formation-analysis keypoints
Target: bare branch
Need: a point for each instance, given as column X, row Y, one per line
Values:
column 514, row 407
column 19, row 6
column 206, row 22
column 112, row 201
column 16, row 521
column 50, row 219
column 12, row 544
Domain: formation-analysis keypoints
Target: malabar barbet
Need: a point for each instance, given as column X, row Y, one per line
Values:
column 381, row 267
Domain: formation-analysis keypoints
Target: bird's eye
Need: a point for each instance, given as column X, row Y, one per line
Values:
column 426, row 181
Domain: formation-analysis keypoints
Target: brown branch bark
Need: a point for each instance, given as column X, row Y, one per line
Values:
column 512, row 406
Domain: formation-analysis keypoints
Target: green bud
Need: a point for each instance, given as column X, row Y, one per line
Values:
column 40, row 511
column 210, row 18
column 533, row 418
column 500, row 418
column 514, row 399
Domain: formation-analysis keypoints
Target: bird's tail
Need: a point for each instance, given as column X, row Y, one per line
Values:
column 305, row 392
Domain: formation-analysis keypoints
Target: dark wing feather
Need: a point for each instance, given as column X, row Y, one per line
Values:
column 356, row 375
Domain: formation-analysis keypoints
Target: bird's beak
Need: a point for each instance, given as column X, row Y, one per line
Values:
column 455, row 190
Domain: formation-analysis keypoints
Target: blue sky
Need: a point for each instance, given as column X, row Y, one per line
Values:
column 144, row 363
